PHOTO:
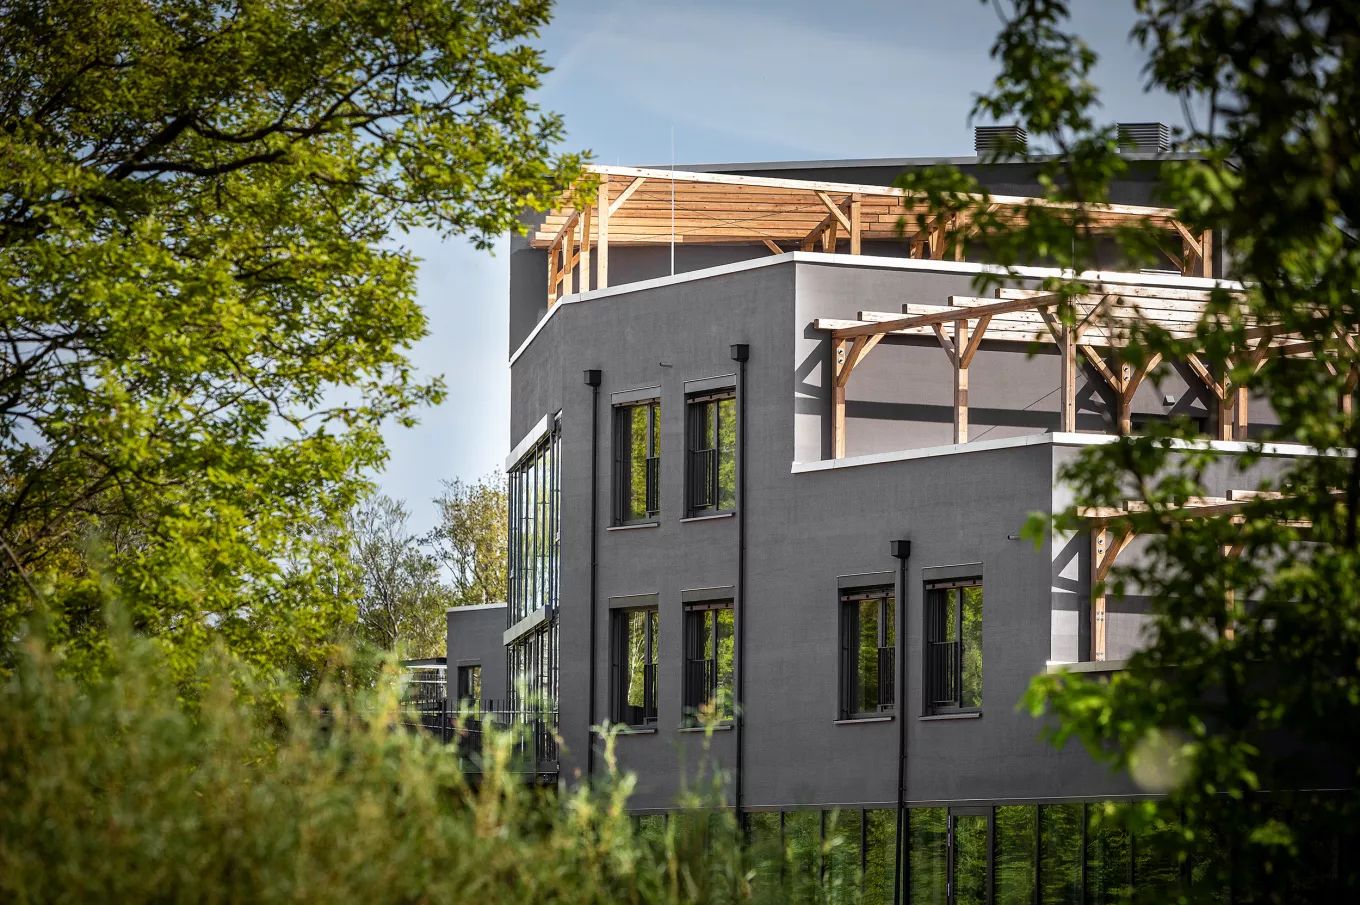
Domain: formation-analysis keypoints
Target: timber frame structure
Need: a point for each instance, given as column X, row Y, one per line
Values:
column 1103, row 321
column 638, row 206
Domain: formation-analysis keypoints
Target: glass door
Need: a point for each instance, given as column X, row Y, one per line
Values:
column 969, row 850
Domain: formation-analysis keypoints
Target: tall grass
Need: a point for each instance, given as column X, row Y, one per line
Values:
column 119, row 790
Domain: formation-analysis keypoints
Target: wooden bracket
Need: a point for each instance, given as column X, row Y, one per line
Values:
column 1103, row 555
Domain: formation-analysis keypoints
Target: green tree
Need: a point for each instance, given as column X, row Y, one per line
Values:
column 402, row 602
column 470, row 540
column 1251, row 679
column 204, row 310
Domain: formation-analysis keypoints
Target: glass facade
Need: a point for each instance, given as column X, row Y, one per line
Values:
column 1052, row 854
column 535, row 529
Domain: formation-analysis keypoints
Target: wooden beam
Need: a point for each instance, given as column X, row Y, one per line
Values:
column 585, row 249
column 838, row 353
column 944, row 317
column 960, row 382
column 1103, row 555
column 602, row 263
column 855, row 223
column 553, row 252
column 772, row 247
column 1193, row 243
column 835, row 210
column 946, row 343
column 1126, row 394
column 1068, row 385
column 975, row 340
column 626, row 194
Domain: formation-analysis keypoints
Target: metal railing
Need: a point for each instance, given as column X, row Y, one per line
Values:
column 466, row 726
column 702, row 482
column 887, row 679
column 653, row 491
column 942, row 673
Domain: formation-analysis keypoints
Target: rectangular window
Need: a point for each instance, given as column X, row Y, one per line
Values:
column 711, row 438
column 470, row 683
column 708, row 662
column 636, row 643
column 868, row 641
column 953, row 638
column 637, row 462
column 535, row 528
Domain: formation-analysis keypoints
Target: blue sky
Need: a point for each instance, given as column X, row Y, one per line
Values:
column 738, row 80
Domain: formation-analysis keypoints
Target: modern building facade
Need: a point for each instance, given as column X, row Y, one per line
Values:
column 758, row 529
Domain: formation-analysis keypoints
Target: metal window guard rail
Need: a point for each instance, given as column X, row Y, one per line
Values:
column 466, row 726
column 942, row 673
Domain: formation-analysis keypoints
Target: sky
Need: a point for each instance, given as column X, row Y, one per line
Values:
column 741, row 80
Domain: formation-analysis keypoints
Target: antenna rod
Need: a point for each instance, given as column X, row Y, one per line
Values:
column 672, row 200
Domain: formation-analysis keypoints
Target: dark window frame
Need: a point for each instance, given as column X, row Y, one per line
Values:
column 623, row 462
column 465, row 692
column 705, row 455
column 620, row 710
column 850, row 679
column 943, row 660
column 701, row 680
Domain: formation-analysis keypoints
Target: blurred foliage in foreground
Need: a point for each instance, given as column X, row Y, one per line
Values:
column 118, row 790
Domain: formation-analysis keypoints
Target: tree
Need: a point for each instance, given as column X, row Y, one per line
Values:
column 1248, row 690
column 402, row 603
column 471, row 538
column 204, row 311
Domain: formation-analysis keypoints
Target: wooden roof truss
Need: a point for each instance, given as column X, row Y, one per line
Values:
column 1111, row 534
column 635, row 206
column 1024, row 316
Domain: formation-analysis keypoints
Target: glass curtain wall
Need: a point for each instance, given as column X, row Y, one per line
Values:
column 535, row 529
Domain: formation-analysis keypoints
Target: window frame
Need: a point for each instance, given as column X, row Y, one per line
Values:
column 618, row 705
column 696, row 693
column 848, row 604
column 465, row 692
column 933, row 702
column 703, row 493
column 623, row 463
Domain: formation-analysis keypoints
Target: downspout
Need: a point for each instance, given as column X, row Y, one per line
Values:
column 740, row 353
column 901, row 551
column 593, row 381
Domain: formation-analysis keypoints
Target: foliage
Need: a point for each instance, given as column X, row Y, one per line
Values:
column 1251, row 678
column 114, row 788
column 402, row 603
column 470, row 540
column 204, row 311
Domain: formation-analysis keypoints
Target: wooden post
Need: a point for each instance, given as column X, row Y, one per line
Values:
column 838, row 402
column 1098, row 569
column 960, row 382
column 552, row 274
column 1124, row 402
column 855, row 223
column 1240, row 414
column 602, row 265
column 1068, row 348
column 1206, row 244
column 568, row 249
column 585, row 249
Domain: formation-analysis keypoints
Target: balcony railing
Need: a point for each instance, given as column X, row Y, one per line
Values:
column 533, row 733
column 942, row 673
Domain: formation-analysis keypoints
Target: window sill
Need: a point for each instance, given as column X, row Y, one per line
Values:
column 856, row 720
column 724, row 727
column 707, row 518
column 636, row 730
column 961, row 715
column 633, row 527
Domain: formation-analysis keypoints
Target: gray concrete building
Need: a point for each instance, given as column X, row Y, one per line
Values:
column 818, row 584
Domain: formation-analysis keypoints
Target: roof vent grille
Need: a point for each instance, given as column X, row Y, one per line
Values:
column 990, row 139
column 1149, row 137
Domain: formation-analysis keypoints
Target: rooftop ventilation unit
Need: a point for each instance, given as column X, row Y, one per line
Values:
column 991, row 139
column 1147, row 137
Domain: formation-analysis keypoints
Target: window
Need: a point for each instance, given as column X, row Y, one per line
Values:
column 708, row 661
column 868, row 640
column 636, row 643
column 711, row 437
column 535, row 529
column 953, row 634
column 470, row 683
column 637, row 462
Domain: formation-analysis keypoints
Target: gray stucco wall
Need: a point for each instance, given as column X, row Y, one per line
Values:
column 808, row 524
column 474, row 638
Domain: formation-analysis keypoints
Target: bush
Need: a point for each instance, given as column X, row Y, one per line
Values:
column 122, row 791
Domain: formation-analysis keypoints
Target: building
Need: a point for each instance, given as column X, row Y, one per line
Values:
column 771, row 464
